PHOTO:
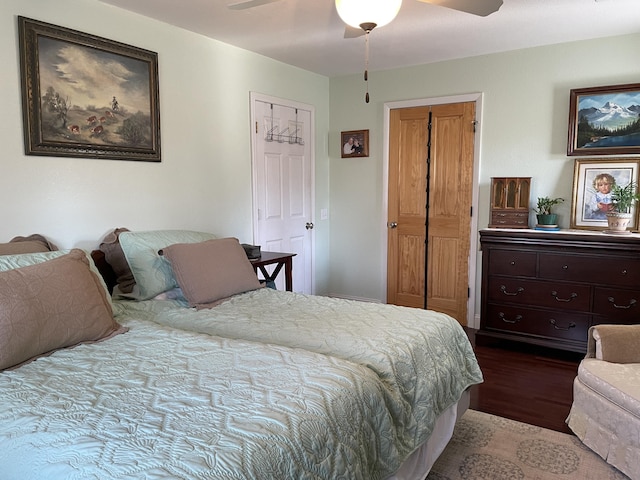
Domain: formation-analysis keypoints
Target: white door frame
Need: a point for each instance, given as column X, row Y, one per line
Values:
column 259, row 97
column 473, row 321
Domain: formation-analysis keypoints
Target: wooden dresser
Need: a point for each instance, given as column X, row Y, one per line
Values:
column 548, row 288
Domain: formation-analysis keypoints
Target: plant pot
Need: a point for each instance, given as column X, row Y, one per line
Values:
column 618, row 222
column 549, row 219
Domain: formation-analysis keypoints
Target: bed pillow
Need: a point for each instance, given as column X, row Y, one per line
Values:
column 211, row 271
column 114, row 256
column 51, row 305
column 152, row 273
column 31, row 244
column 10, row 262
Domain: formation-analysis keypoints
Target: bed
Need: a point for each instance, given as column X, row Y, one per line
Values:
column 209, row 375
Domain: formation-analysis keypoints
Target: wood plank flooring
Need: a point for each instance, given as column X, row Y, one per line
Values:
column 526, row 383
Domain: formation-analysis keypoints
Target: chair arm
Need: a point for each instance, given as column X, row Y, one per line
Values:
column 614, row 343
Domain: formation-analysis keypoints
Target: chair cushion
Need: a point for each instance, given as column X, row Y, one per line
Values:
column 617, row 382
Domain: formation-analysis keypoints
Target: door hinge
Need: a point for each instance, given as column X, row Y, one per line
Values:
column 474, row 123
column 256, row 127
column 471, row 211
column 468, row 292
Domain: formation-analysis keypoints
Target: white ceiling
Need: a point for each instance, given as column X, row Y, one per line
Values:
column 309, row 34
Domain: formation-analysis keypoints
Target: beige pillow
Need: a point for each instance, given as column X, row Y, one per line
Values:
column 31, row 244
column 212, row 270
column 52, row 305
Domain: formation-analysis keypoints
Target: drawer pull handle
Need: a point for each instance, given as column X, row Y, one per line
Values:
column 553, row 322
column 505, row 320
column 503, row 289
column 513, row 262
column 554, row 294
column 632, row 302
column 565, row 267
column 624, row 272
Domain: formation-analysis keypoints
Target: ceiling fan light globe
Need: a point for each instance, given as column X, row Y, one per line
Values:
column 356, row 12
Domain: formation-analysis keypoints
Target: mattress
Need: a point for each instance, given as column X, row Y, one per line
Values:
column 423, row 358
column 159, row 402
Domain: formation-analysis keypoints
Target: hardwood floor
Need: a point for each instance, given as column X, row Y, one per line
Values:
column 526, row 383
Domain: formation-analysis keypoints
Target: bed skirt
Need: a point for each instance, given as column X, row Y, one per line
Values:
column 419, row 463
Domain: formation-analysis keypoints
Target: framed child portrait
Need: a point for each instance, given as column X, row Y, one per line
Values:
column 354, row 143
column 593, row 180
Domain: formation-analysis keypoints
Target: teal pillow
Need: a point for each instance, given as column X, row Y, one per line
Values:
column 153, row 273
column 11, row 262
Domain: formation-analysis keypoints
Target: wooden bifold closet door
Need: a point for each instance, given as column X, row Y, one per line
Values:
column 430, row 176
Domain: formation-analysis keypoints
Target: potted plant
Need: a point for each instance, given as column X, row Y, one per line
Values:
column 543, row 211
column 622, row 199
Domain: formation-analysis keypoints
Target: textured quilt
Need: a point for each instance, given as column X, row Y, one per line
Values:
column 423, row 358
column 159, row 403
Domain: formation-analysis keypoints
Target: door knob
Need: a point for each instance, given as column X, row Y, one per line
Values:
column 309, row 226
column 392, row 224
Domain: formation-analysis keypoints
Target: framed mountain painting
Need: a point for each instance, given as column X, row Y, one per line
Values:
column 604, row 120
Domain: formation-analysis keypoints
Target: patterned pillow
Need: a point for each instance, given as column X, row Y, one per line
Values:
column 210, row 271
column 153, row 274
column 51, row 305
column 10, row 262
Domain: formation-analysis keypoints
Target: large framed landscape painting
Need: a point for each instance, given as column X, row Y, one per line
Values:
column 604, row 120
column 87, row 96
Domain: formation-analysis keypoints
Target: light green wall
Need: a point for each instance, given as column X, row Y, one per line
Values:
column 523, row 133
column 204, row 179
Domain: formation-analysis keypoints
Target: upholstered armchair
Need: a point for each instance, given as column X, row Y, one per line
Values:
column 605, row 414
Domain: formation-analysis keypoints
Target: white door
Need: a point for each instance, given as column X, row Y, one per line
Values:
column 282, row 165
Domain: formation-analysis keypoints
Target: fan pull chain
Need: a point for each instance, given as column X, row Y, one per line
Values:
column 366, row 64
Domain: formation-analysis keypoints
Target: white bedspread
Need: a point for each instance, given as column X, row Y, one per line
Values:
column 159, row 403
column 423, row 358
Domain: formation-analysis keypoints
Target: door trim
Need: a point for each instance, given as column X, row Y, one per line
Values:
column 259, row 97
column 472, row 319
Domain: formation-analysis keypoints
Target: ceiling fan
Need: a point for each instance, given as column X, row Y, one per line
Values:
column 475, row 7
column 362, row 16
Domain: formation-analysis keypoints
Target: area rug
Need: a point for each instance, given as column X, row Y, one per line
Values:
column 488, row 447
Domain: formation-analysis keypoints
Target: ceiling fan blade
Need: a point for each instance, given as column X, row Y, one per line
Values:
column 476, row 7
column 244, row 4
column 352, row 32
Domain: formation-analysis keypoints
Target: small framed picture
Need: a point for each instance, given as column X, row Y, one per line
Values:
column 355, row 143
column 593, row 180
column 604, row 120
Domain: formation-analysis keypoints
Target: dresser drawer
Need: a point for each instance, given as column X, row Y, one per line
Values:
column 561, row 296
column 543, row 323
column 590, row 269
column 512, row 262
column 510, row 219
column 617, row 304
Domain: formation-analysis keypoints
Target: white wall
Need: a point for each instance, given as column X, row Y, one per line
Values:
column 204, row 179
column 523, row 133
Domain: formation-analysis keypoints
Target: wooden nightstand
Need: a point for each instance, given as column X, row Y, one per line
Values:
column 279, row 260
